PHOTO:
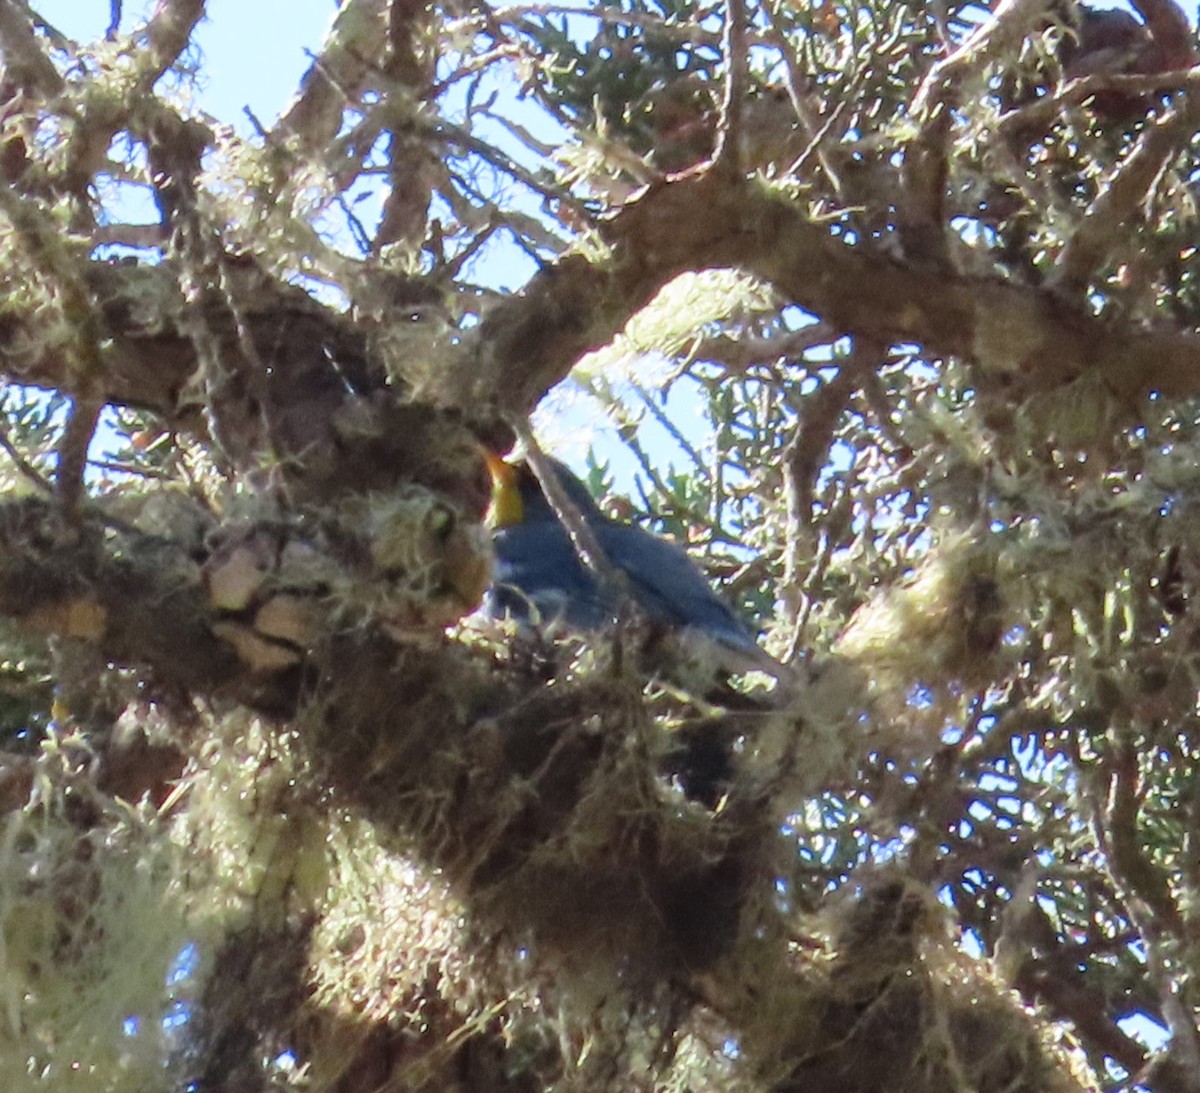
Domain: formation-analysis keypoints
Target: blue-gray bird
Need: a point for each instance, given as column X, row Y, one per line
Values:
column 539, row 574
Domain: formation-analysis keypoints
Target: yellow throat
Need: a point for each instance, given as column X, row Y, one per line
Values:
column 506, row 509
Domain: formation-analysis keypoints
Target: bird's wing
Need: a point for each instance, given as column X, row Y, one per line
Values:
column 669, row 586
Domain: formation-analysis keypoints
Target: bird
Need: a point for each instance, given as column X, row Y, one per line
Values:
column 540, row 577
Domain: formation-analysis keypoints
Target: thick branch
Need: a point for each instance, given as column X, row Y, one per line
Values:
column 1020, row 336
column 349, row 59
column 167, row 35
column 144, row 602
column 139, row 597
column 25, row 64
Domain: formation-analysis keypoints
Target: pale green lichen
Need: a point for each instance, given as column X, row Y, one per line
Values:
column 92, row 920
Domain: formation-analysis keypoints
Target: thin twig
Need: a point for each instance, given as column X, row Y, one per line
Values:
column 24, row 465
column 804, row 455
column 455, row 134
column 816, row 146
column 453, row 267
column 815, row 134
column 473, row 66
column 668, row 424
column 587, row 546
column 727, row 155
column 131, row 469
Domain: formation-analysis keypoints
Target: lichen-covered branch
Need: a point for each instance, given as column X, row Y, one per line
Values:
column 1021, row 337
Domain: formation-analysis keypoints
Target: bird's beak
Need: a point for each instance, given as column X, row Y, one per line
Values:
column 506, row 508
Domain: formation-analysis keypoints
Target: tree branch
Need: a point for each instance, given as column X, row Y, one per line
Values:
column 143, row 601
column 1037, row 115
column 803, row 457
column 1026, row 339
column 412, row 164
column 727, row 155
column 998, row 36
column 351, row 53
column 167, row 35
column 1149, row 901
column 25, row 63
column 1106, row 224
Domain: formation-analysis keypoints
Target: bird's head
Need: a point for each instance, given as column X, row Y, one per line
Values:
column 517, row 496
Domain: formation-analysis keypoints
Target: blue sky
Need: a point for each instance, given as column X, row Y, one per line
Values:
column 254, row 55
column 255, row 50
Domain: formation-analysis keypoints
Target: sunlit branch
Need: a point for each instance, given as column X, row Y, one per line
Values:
column 349, row 59
column 471, row 66
column 745, row 351
column 167, row 35
column 1010, row 21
